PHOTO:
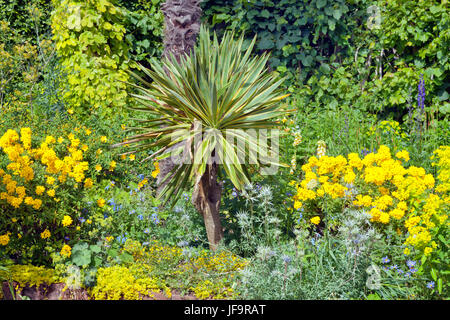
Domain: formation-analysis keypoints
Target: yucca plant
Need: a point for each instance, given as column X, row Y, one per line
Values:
column 199, row 104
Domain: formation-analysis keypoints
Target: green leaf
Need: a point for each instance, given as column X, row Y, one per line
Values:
column 95, row 248
column 81, row 258
column 265, row 44
column 433, row 274
column 439, row 285
column 265, row 13
column 331, row 24
column 321, row 3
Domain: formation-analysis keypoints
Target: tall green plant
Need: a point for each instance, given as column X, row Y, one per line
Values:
column 214, row 93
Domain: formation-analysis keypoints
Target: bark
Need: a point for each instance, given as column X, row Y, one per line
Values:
column 206, row 199
column 181, row 27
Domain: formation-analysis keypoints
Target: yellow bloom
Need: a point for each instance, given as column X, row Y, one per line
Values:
column 4, row 239
column 98, row 167
column 88, row 132
column 403, row 155
column 315, row 220
column 103, row 139
column 51, row 193
column 132, row 157
column 46, row 234
column 37, row 204
column 88, row 183
column 67, row 221
column 50, row 180
column 156, row 171
column 66, row 251
column 70, row 111
column 101, row 202
column 427, row 251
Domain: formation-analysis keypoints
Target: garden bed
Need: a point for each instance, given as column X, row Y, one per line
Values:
column 58, row 291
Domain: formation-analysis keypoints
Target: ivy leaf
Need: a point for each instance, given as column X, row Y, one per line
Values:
column 265, row 13
column 332, row 24
column 74, row 22
column 321, row 3
column 337, row 13
column 265, row 44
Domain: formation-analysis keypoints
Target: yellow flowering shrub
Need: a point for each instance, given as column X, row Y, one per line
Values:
column 29, row 275
column 206, row 274
column 119, row 282
column 393, row 193
column 40, row 182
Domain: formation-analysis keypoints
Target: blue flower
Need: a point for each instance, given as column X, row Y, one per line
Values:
column 140, row 217
column 430, row 285
column 155, row 218
column 410, row 263
column 132, row 211
column 122, row 238
column 82, row 219
column 286, row 259
column 413, row 270
column 385, row 260
column 147, row 230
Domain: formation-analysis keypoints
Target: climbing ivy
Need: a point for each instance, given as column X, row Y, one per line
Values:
column 89, row 37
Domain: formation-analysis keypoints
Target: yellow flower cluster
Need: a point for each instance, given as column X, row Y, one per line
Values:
column 66, row 251
column 382, row 185
column 22, row 156
column 29, row 275
column 156, row 171
column 4, row 239
column 67, row 221
column 118, row 282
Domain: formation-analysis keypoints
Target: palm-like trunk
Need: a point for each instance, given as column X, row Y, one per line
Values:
column 182, row 25
column 206, row 199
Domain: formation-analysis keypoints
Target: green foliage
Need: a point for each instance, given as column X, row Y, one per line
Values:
column 27, row 18
column 89, row 38
column 299, row 34
column 144, row 30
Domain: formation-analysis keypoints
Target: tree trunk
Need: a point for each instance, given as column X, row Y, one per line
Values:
column 181, row 27
column 206, row 199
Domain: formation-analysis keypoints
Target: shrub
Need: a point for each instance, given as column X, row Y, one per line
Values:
column 89, row 38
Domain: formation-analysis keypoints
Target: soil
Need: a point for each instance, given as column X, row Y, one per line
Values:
column 55, row 292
